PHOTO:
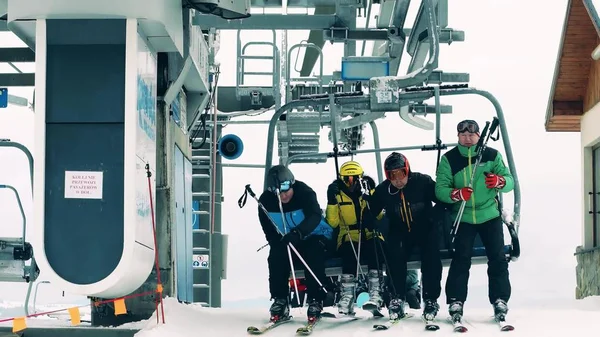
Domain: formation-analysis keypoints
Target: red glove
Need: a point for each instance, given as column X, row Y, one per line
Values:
column 459, row 194
column 494, row 181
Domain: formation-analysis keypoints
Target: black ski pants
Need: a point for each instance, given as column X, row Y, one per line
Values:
column 399, row 247
column 367, row 255
column 492, row 237
column 312, row 250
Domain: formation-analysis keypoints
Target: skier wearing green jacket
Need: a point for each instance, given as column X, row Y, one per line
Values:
column 481, row 216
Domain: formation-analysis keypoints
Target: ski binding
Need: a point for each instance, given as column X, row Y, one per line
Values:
column 391, row 322
column 253, row 330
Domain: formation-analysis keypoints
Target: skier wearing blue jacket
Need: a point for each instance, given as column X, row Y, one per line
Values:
column 305, row 228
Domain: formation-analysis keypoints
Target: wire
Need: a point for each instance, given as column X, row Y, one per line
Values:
column 212, row 98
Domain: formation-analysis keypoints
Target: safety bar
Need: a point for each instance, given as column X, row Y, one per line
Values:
column 20, row 209
column 288, row 90
column 414, row 95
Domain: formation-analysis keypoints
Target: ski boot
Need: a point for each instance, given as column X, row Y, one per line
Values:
column 280, row 310
column 456, row 309
column 315, row 307
column 396, row 309
column 456, row 312
column 500, row 310
column 375, row 301
column 430, row 310
column 346, row 303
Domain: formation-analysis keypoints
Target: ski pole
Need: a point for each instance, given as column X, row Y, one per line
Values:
column 262, row 247
column 288, row 247
column 262, row 207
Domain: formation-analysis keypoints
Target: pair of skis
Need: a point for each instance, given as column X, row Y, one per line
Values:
column 305, row 330
column 460, row 327
column 430, row 325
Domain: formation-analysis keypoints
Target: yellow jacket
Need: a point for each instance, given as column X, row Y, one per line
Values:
column 345, row 215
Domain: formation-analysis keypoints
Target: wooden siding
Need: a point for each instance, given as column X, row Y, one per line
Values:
column 592, row 95
column 576, row 72
column 575, row 59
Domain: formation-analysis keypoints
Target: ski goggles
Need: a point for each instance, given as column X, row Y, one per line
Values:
column 350, row 180
column 285, row 186
column 468, row 125
column 399, row 173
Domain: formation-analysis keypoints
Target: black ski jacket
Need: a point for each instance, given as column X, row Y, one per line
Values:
column 408, row 209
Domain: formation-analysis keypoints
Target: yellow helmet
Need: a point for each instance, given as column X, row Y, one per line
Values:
column 351, row 168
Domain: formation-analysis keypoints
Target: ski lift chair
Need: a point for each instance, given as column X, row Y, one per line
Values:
column 14, row 255
column 17, row 262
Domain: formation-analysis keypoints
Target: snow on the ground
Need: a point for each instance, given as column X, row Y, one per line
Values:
column 540, row 320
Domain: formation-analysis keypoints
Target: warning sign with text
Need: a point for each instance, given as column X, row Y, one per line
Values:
column 83, row 185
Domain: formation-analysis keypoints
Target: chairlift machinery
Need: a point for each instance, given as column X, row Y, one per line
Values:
column 365, row 90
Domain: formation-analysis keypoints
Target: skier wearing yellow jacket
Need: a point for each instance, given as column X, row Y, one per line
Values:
column 347, row 210
column 481, row 216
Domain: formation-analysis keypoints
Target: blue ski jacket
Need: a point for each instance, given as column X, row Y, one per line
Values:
column 302, row 212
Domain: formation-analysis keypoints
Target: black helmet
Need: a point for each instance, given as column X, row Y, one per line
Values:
column 279, row 177
column 396, row 161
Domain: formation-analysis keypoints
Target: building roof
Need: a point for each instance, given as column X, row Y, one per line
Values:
column 568, row 94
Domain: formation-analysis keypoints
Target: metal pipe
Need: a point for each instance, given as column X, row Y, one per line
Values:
column 287, row 73
column 27, row 153
column 332, row 117
column 377, row 147
column 243, row 165
column 364, row 42
column 438, row 112
column 346, row 153
column 20, row 209
column 238, row 122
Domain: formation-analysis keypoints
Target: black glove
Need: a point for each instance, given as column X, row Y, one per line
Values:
column 369, row 220
column 294, row 237
column 332, row 191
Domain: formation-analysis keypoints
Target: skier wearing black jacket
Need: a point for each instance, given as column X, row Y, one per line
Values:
column 305, row 228
column 407, row 198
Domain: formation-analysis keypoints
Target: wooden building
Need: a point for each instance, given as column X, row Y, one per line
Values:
column 573, row 107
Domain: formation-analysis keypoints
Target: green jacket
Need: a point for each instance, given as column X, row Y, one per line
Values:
column 454, row 171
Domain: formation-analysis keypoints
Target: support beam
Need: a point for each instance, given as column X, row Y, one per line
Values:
column 16, row 55
column 269, row 21
column 17, row 80
column 306, row 3
column 342, row 34
column 439, row 77
column 17, row 100
column 446, row 35
column 315, row 37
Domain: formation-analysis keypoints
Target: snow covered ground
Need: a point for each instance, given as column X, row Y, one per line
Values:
column 542, row 320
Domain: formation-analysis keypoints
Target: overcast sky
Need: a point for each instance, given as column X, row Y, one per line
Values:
column 510, row 50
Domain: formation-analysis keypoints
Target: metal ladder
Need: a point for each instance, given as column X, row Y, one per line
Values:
column 255, row 92
column 202, row 237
